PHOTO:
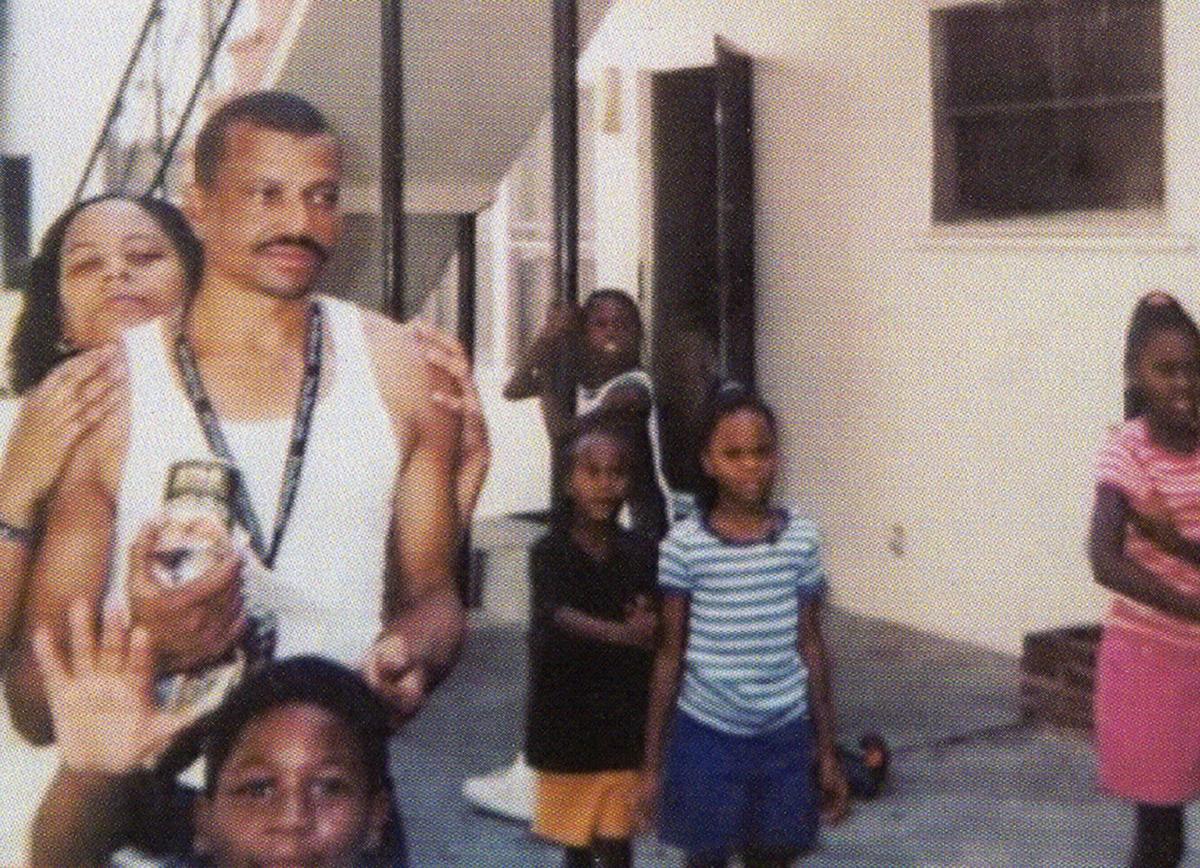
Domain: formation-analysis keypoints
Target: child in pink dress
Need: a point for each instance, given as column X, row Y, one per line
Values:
column 1145, row 547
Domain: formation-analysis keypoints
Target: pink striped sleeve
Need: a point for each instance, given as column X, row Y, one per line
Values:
column 1117, row 463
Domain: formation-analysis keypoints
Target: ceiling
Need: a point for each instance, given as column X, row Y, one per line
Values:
column 477, row 78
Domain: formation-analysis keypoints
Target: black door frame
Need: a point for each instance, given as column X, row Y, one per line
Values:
column 734, row 115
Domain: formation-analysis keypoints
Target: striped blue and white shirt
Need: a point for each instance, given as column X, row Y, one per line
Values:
column 743, row 672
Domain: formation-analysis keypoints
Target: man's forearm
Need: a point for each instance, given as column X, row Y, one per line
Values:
column 433, row 627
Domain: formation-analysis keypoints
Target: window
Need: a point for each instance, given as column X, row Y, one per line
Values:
column 1044, row 106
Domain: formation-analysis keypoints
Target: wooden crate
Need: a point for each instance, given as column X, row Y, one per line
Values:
column 1057, row 675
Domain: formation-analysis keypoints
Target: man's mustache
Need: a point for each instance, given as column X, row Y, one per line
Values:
column 312, row 245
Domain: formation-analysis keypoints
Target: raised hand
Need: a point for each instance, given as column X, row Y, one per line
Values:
column 100, row 692
column 69, row 402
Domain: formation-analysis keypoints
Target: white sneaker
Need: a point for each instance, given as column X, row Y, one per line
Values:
column 506, row 792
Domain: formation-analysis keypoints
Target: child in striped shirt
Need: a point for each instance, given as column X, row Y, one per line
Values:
column 741, row 665
column 1145, row 547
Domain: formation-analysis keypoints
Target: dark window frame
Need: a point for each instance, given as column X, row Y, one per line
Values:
column 1037, row 114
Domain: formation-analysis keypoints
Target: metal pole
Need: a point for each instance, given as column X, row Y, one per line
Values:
column 468, row 573
column 391, row 192
column 160, row 177
column 114, row 108
column 565, row 144
column 466, row 282
column 566, row 152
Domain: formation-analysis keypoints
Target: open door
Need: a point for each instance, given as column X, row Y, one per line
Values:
column 734, row 117
column 702, row 214
column 683, row 285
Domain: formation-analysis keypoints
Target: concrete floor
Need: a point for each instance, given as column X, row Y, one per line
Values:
column 972, row 786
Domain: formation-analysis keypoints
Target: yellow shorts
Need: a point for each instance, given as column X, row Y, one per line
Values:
column 575, row 809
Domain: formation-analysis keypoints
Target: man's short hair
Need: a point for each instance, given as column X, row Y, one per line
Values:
column 306, row 681
column 275, row 110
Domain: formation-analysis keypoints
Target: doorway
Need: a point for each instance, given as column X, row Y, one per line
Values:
column 701, row 279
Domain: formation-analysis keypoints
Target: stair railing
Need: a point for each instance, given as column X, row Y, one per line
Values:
column 150, row 40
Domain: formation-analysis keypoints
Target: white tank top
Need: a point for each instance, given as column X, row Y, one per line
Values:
column 328, row 578
column 587, row 400
column 259, row 450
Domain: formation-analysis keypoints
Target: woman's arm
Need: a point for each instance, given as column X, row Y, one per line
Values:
column 664, row 690
column 1114, row 570
column 67, row 404
column 834, row 787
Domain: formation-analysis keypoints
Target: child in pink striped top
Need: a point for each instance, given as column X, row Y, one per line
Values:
column 1145, row 547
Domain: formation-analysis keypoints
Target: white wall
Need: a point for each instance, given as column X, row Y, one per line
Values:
column 54, row 102
column 954, row 386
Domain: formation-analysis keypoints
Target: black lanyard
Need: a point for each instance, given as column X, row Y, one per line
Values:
column 242, row 505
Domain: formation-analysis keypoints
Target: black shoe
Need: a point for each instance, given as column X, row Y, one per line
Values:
column 874, row 743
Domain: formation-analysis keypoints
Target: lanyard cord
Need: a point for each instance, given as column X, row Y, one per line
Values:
column 243, row 507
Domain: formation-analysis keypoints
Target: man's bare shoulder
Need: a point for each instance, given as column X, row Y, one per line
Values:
column 407, row 382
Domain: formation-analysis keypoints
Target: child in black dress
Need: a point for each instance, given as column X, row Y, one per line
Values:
column 590, row 654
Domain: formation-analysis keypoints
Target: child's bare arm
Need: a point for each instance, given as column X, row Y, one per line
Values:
column 664, row 689
column 812, row 649
column 532, row 373
column 1112, row 569
column 637, row 630
column 81, row 819
column 624, row 407
column 100, row 695
column 820, row 702
column 1165, row 536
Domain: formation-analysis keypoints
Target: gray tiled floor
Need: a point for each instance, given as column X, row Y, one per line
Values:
column 972, row 786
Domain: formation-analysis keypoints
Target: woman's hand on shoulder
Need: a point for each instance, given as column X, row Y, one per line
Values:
column 70, row 402
column 447, row 355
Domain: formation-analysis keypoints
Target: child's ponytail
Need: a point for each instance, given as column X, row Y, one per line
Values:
column 1155, row 311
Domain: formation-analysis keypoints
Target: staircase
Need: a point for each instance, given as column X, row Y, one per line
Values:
column 188, row 58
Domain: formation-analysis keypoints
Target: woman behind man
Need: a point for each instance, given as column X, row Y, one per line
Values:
column 105, row 264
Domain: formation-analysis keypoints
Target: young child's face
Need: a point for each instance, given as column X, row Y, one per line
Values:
column 610, row 334
column 1168, row 373
column 599, row 479
column 741, row 457
column 293, row 792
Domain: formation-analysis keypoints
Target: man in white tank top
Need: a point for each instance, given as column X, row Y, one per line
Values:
column 363, row 545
